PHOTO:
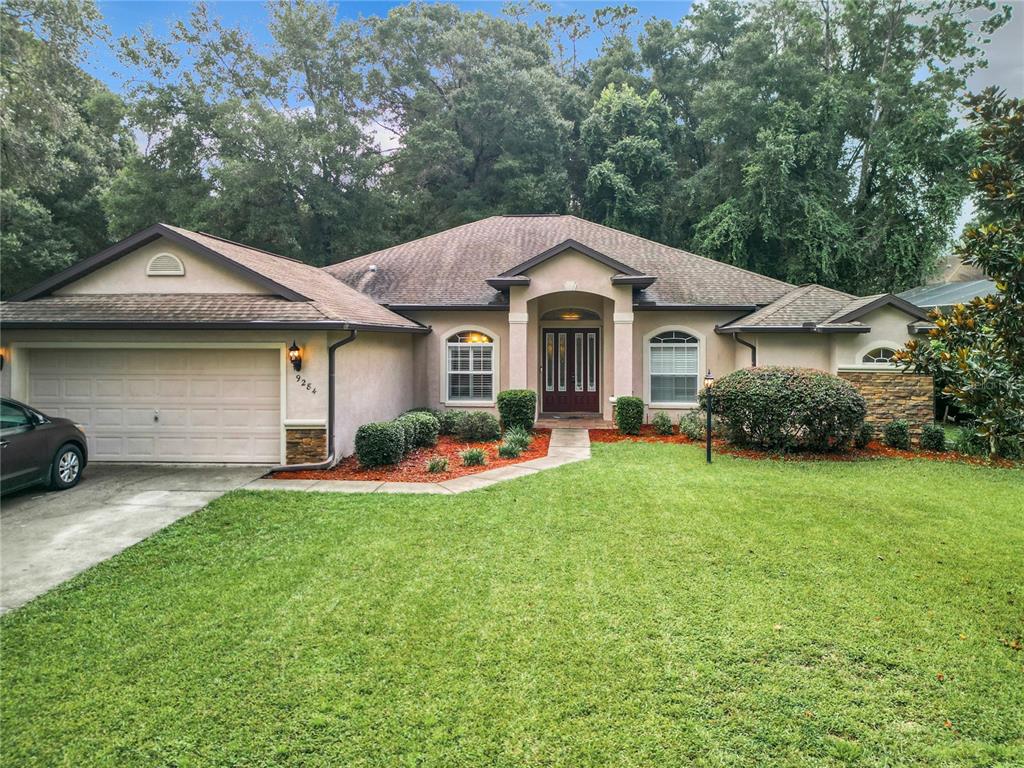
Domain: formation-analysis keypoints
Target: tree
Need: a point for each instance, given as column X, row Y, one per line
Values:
column 977, row 349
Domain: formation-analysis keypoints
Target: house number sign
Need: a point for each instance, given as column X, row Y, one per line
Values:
column 305, row 383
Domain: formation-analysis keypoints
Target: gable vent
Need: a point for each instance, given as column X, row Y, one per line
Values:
column 165, row 265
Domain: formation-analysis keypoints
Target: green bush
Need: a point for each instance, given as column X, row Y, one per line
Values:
column 629, row 414
column 425, row 428
column 449, row 420
column 409, row 430
column 473, row 457
column 517, row 408
column 518, row 436
column 662, row 423
column 970, row 443
column 784, row 409
column 437, row 464
column 509, row 450
column 933, row 437
column 865, row 435
column 693, row 424
column 477, row 426
column 379, row 443
column 897, row 434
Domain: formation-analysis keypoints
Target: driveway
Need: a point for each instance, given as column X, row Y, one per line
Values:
column 48, row 537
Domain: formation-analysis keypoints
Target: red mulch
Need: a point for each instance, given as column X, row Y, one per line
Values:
column 413, row 468
column 874, row 450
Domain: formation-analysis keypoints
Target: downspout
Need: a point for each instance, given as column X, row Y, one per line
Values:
column 751, row 347
column 329, row 461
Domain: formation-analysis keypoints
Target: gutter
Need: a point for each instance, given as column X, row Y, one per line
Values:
column 748, row 345
column 330, row 460
column 219, row 325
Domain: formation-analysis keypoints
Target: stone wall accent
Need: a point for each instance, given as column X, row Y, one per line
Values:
column 895, row 395
column 305, row 445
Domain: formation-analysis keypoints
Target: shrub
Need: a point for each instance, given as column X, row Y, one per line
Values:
column 865, row 435
column 449, row 421
column 425, row 428
column 693, row 424
column 408, row 426
column 787, row 409
column 381, row 442
column 970, row 443
column 437, row 464
column 897, row 434
column 517, row 408
column 662, row 423
column 509, row 450
column 933, row 437
column 473, row 457
column 477, row 426
column 518, row 436
column 629, row 415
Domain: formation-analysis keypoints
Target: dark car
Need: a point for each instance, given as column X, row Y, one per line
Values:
column 36, row 448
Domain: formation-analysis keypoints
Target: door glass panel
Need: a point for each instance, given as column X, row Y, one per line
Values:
column 562, row 363
column 549, row 361
column 591, row 362
column 578, row 362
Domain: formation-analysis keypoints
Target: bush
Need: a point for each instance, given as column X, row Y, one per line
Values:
column 381, row 442
column 786, row 409
column 449, row 421
column 473, row 457
column 970, row 443
column 933, row 437
column 517, row 408
column 629, row 415
column 424, row 426
column 437, row 464
column 409, row 430
column 518, row 436
column 662, row 423
column 693, row 424
column 865, row 435
column 509, row 450
column 477, row 426
column 897, row 434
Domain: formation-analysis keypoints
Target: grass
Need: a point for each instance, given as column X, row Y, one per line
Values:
column 638, row 609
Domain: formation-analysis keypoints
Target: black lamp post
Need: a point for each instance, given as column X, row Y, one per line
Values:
column 709, row 383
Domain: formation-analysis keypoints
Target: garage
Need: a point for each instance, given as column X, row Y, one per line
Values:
column 219, row 405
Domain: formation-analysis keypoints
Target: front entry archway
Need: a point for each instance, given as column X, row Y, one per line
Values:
column 571, row 370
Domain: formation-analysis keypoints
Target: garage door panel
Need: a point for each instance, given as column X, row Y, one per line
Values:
column 106, row 417
column 109, row 387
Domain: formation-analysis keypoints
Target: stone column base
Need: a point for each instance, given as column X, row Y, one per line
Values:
column 305, row 445
column 894, row 395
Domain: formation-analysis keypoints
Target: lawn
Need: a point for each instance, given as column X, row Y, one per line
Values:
column 639, row 609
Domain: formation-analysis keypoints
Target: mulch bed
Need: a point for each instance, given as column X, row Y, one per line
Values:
column 874, row 450
column 413, row 468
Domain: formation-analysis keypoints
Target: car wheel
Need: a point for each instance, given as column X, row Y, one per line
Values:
column 67, row 468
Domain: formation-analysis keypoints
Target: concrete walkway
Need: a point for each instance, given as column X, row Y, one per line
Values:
column 566, row 446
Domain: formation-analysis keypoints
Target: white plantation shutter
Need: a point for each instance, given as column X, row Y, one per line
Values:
column 674, row 367
column 470, row 367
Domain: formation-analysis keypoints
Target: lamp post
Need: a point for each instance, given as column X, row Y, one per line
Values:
column 709, row 382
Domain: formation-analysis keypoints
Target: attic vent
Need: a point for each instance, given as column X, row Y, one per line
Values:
column 165, row 265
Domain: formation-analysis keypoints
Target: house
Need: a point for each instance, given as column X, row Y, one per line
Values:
column 180, row 346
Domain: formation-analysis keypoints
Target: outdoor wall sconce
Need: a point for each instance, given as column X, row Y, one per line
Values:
column 709, row 382
column 295, row 356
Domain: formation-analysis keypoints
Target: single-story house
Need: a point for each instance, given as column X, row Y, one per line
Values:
column 175, row 345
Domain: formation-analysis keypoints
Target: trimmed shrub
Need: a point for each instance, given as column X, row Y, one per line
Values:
column 379, row 443
column 449, row 421
column 897, row 434
column 473, row 457
column 437, row 464
column 518, row 436
column 693, row 424
column 783, row 409
column 662, row 423
column 509, row 450
column 408, row 425
column 865, row 435
column 933, row 437
column 517, row 408
column 477, row 426
column 425, row 428
column 629, row 414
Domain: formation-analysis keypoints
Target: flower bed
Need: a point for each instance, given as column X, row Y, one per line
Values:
column 413, row 468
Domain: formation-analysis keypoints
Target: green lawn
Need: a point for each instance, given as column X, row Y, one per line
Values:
column 639, row 609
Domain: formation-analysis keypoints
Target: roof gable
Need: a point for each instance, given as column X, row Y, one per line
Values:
column 571, row 245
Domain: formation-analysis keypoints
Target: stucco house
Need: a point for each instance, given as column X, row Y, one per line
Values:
column 181, row 346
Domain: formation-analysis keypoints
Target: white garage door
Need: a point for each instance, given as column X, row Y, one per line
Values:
column 212, row 405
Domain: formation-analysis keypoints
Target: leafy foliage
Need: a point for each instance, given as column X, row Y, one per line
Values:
column 449, row 420
column 662, row 423
column 421, row 427
column 517, row 407
column 437, row 464
column 519, row 437
column 896, row 434
column 933, row 437
column 478, row 425
column 864, row 435
column 693, row 424
column 380, row 443
column 629, row 414
column 509, row 450
column 473, row 457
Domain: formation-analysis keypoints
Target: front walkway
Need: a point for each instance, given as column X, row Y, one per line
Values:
column 566, row 446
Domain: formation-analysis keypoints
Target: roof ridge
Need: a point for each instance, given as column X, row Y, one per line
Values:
column 235, row 242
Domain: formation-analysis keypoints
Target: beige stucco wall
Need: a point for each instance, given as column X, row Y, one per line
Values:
column 888, row 329
column 803, row 350
column 128, row 275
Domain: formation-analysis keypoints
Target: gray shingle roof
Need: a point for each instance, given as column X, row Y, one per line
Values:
column 807, row 305
column 451, row 268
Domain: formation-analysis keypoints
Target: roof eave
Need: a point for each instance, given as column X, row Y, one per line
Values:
column 810, row 328
column 888, row 299
column 637, row 281
column 219, row 325
column 502, row 283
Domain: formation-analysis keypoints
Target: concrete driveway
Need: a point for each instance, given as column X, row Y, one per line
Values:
column 47, row 537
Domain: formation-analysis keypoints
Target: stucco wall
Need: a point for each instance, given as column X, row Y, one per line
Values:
column 128, row 275
column 888, row 329
column 803, row 350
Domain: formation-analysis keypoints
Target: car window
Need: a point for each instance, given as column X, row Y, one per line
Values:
column 12, row 416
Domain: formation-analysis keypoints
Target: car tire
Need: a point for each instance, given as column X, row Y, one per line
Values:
column 66, row 470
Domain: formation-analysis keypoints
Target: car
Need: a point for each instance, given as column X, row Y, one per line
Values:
column 38, row 449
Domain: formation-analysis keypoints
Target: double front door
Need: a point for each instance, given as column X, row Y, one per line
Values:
column 571, row 367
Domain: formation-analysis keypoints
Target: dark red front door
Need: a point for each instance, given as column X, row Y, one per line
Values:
column 572, row 365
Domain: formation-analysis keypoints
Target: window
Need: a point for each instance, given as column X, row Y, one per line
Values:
column 470, row 366
column 879, row 356
column 674, row 367
column 13, row 417
column 165, row 265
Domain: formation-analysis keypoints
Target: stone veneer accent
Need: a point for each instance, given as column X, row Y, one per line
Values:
column 894, row 395
column 305, row 445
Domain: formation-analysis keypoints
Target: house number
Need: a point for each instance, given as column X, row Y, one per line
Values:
column 305, row 383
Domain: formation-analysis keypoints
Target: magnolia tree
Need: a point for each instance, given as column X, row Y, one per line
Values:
column 977, row 350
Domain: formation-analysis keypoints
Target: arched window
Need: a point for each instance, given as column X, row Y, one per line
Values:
column 165, row 265
column 470, row 366
column 674, row 367
column 878, row 356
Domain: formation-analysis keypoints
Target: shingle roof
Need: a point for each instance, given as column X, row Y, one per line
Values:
column 948, row 294
column 451, row 268
column 807, row 305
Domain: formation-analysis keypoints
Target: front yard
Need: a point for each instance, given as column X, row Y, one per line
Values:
column 639, row 608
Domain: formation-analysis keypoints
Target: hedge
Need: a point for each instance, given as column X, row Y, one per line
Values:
column 381, row 442
column 477, row 426
column 425, row 428
column 517, row 408
column 896, row 434
column 629, row 414
column 933, row 437
column 449, row 420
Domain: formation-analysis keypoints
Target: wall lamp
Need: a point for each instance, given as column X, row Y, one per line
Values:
column 295, row 356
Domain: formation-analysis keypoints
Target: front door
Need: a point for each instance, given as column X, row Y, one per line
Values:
column 572, row 364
